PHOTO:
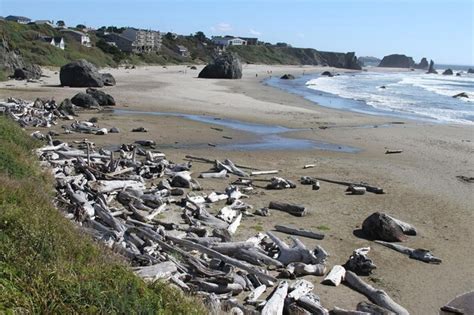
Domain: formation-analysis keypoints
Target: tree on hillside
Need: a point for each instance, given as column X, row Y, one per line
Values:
column 200, row 36
column 60, row 23
column 169, row 36
column 81, row 26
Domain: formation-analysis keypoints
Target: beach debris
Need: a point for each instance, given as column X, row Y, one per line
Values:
column 369, row 188
column 452, row 309
column 393, row 151
column 293, row 209
column 299, row 232
column 140, row 129
column 356, row 190
column 418, row 254
column 335, row 276
column 381, row 226
column 370, row 308
column 309, row 166
column 379, row 297
column 359, row 262
column 274, row 305
column 256, row 173
column 465, row 179
column 280, row 183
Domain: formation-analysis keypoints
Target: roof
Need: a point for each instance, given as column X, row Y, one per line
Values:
column 181, row 47
column 57, row 39
column 42, row 22
column 17, row 18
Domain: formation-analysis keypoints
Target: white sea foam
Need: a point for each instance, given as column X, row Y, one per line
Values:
column 411, row 94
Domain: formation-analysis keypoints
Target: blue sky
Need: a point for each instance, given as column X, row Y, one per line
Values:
column 441, row 30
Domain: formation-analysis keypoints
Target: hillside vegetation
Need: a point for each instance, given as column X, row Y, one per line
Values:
column 47, row 265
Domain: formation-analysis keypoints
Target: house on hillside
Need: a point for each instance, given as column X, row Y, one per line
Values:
column 18, row 19
column 183, row 51
column 142, row 40
column 81, row 37
column 42, row 22
column 56, row 41
column 228, row 41
column 251, row 41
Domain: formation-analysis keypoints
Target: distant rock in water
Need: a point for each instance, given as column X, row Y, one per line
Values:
column 327, row 73
column 470, row 70
column 225, row 66
column 81, row 73
column 431, row 69
column 423, row 64
column 448, row 72
column 287, row 77
column 463, row 94
column 397, row 61
column 458, row 74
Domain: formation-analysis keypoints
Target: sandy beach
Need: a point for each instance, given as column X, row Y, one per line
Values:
column 421, row 182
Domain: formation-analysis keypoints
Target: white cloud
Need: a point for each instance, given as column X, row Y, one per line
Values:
column 222, row 27
column 254, row 32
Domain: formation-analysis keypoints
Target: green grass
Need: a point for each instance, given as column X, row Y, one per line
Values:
column 323, row 227
column 49, row 266
column 3, row 75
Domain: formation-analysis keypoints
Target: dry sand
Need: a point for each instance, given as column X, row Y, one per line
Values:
column 421, row 183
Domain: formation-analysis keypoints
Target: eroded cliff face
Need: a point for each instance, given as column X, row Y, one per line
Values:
column 11, row 62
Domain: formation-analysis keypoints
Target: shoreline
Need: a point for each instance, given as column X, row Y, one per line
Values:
column 421, row 182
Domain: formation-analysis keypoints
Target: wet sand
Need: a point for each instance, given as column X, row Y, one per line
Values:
column 421, row 182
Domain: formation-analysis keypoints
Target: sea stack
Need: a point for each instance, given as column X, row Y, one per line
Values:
column 431, row 69
column 423, row 64
column 397, row 61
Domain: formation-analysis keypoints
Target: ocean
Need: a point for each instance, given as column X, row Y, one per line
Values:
column 411, row 95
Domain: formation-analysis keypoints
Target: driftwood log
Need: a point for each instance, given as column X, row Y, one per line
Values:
column 379, row 297
column 296, row 210
column 274, row 305
column 418, row 254
column 299, row 232
column 381, row 226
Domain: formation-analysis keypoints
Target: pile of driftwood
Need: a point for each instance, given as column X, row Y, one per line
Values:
column 153, row 212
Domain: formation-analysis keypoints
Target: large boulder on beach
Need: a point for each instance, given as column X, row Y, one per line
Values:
column 448, row 72
column 423, row 64
column 397, row 61
column 287, row 77
column 84, row 100
column 379, row 226
column 108, row 79
column 431, row 68
column 81, row 73
column 102, row 98
column 225, row 66
column 327, row 73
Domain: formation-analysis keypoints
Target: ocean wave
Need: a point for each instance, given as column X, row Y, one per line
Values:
column 411, row 94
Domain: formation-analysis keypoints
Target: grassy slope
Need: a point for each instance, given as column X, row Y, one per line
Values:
column 47, row 265
column 23, row 38
column 277, row 55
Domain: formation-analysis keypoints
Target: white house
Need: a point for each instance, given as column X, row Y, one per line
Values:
column 81, row 37
column 57, row 42
column 228, row 41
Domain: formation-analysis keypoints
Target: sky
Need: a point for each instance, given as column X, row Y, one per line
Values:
column 439, row 30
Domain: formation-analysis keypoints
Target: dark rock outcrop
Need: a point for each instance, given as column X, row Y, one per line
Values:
column 67, row 107
column 379, row 226
column 397, row 61
column 448, row 72
column 463, row 94
column 327, row 73
column 225, row 66
column 431, row 68
column 14, row 65
column 84, row 100
column 287, row 77
column 470, row 70
column 29, row 72
column 102, row 98
column 81, row 73
column 423, row 64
